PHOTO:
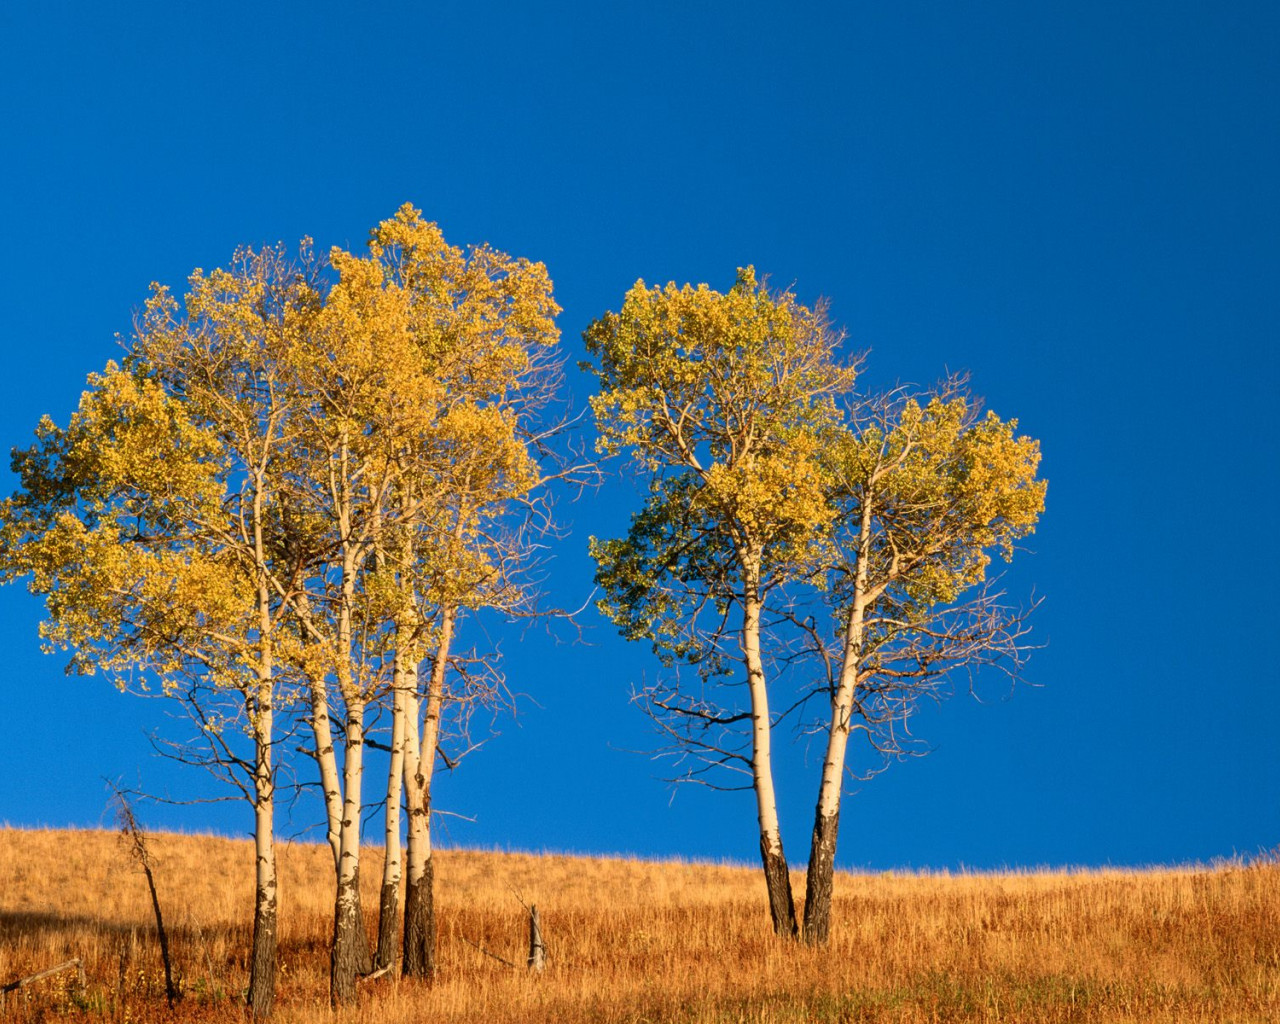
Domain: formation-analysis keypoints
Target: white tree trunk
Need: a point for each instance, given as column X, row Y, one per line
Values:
column 776, row 873
column 418, row 845
column 820, row 876
column 389, row 899
column 327, row 766
column 262, row 967
column 420, row 760
column 349, row 955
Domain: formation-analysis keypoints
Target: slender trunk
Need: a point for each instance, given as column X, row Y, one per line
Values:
column 349, row 955
column 332, row 783
column 388, row 947
column 327, row 765
column 537, row 948
column 129, row 827
column 418, row 894
column 261, row 979
column 776, row 874
column 420, row 921
column 344, row 952
column 322, row 733
column 419, row 904
column 342, row 817
column 262, row 969
column 389, row 900
column 820, row 876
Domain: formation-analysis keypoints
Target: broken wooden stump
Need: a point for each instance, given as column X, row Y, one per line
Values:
column 537, row 948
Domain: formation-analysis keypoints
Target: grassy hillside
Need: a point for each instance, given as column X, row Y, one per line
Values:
column 633, row 941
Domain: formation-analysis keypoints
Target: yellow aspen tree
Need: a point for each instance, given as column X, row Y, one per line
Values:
column 723, row 401
column 353, row 362
column 923, row 489
column 481, row 335
column 414, row 473
column 151, row 525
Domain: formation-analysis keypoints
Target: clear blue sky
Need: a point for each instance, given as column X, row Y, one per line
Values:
column 1077, row 202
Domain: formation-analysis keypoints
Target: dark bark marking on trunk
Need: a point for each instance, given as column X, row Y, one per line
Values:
column 820, row 878
column 388, row 926
column 262, row 970
column 777, row 879
column 364, row 955
column 348, row 939
column 420, row 925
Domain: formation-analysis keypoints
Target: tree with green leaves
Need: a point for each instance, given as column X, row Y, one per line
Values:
column 725, row 401
column 774, row 490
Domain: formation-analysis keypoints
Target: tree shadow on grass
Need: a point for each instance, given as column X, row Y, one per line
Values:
column 43, row 925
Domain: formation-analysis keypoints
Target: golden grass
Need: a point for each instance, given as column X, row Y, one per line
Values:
column 635, row 942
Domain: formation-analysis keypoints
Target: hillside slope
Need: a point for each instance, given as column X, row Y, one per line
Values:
column 635, row 941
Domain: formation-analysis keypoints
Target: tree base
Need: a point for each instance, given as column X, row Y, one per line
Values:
column 420, row 925
column 777, row 877
column 819, row 880
column 262, row 968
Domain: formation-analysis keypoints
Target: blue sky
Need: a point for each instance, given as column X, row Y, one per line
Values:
column 1076, row 202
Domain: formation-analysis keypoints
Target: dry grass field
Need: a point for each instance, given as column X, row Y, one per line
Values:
column 645, row 942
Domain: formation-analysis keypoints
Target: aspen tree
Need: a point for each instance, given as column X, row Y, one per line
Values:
column 722, row 401
column 923, row 490
column 342, row 482
column 413, row 456
column 354, row 470
column 481, row 326
column 775, row 487
column 151, row 526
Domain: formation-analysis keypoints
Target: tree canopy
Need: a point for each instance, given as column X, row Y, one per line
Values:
column 794, row 522
column 301, row 477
